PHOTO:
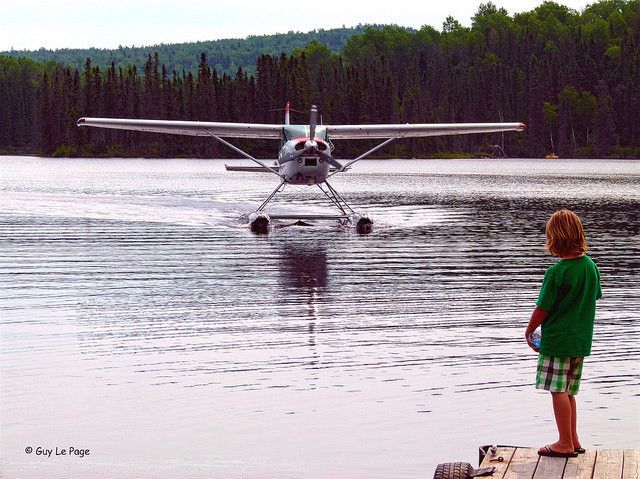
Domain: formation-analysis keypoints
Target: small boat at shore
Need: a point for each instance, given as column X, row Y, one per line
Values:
column 552, row 156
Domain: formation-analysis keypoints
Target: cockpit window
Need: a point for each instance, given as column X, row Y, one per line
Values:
column 302, row 131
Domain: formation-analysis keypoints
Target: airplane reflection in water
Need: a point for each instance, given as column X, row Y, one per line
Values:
column 303, row 270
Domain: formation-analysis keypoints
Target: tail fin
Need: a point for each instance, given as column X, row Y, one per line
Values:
column 286, row 113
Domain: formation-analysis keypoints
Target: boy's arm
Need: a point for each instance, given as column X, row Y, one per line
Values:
column 537, row 318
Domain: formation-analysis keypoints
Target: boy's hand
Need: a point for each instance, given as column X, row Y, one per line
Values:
column 531, row 345
column 537, row 318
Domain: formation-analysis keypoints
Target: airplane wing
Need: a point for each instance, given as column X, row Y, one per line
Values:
column 192, row 128
column 259, row 130
column 345, row 132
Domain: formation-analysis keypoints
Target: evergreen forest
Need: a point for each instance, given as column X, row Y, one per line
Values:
column 572, row 77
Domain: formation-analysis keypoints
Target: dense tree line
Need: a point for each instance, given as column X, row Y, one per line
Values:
column 224, row 55
column 572, row 77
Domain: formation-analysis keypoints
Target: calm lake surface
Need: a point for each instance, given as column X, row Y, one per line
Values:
column 142, row 321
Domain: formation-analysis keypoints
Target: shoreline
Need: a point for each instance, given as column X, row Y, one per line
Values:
column 433, row 157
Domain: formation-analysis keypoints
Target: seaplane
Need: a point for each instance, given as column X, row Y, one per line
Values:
column 305, row 156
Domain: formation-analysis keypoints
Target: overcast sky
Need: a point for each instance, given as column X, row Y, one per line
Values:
column 31, row 24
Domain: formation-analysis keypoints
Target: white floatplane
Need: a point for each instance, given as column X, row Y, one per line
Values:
column 306, row 152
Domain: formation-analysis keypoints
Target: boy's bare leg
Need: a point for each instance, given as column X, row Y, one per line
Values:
column 562, row 411
column 574, row 423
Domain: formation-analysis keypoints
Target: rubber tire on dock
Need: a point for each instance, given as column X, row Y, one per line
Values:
column 453, row 470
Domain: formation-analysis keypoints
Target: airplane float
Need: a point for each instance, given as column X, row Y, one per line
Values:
column 306, row 153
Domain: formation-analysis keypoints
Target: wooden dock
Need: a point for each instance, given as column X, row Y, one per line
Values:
column 524, row 463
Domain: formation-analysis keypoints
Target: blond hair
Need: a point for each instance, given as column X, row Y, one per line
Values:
column 565, row 235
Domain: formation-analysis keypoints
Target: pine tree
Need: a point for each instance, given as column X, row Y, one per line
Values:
column 604, row 130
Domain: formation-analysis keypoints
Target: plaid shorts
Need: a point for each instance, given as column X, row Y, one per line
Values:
column 559, row 375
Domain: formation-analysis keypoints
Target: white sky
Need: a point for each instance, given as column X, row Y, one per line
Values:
column 31, row 24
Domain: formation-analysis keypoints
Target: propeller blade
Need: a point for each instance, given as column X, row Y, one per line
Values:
column 325, row 156
column 329, row 159
column 313, row 122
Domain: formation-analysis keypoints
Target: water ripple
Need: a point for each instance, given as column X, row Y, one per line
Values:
column 129, row 287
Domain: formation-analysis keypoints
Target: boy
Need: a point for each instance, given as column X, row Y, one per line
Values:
column 566, row 309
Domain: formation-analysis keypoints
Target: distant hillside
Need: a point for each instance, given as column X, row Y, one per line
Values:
column 223, row 55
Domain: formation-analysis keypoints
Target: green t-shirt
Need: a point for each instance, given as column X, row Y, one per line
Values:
column 569, row 292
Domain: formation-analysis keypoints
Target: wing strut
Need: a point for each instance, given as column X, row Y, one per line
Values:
column 245, row 154
column 372, row 150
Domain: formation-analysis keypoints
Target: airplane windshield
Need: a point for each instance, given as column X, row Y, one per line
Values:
column 301, row 131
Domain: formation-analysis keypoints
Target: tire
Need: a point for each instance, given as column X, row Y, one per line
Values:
column 453, row 470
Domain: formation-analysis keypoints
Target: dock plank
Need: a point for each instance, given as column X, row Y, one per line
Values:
column 523, row 463
column 631, row 464
column 608, row 464
column 550, row 467
column 580, row 467
column 501, row 467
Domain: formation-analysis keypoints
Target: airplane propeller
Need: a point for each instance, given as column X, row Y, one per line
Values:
column 311, row 145
column 313, row 122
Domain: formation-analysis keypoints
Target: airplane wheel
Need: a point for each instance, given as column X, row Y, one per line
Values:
column 453, row 470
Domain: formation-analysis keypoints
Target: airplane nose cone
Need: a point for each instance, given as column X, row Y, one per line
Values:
column 311, row 144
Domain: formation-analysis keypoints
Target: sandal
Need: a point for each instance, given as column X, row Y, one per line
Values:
column 548, row 452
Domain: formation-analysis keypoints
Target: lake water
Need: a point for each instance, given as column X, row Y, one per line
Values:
column 142, row 321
